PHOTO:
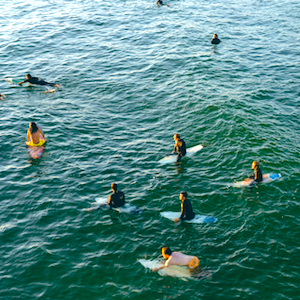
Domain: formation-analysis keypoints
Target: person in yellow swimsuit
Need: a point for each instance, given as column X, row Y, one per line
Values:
column 179, row 259
column 35, row 136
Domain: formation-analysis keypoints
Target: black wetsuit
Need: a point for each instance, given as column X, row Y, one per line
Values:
column 215, row 41
column 180, row 149
column 187, row 210
column 258, row 177
column 38, row 81
column 116, row 199
column 159, row 2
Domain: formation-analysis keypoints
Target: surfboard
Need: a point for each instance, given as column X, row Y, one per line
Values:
column 172, row 158
column 15, row 81
column 35, row 152
column 127, row 208
column 175, row 271
column 197, row 220
column 250, row 182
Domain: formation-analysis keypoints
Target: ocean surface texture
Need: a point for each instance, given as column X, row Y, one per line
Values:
column 132, row 75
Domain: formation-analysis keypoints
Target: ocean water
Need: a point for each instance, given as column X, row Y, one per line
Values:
column 132, row 76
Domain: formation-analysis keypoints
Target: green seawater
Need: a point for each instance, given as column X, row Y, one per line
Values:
column 132, row 75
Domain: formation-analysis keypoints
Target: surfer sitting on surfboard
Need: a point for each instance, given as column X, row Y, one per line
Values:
column 180, row 147
column 159, row 3
column 186, row 208
column 179, row 259
column 258, row 177
column 215, row 40
column 38, row 81
column 117, row 198
column 2, row 96
column 35, row 136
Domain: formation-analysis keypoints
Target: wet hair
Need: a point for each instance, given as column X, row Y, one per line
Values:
column 33, row 127
column 114, row 186
column 166, row 250
column 184, row 194
column 177, row 136
column 256, row 163
column 215, row 35
column 28, row 75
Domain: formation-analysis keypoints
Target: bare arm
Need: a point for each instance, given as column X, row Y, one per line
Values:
column 41, row 132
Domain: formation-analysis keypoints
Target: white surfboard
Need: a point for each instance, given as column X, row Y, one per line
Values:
column 15, row 81
column 174, row 271
column 127, row 208
column 197, row 220
column 250, row 182
column 172, row 158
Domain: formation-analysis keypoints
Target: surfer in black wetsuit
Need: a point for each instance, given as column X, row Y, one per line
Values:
column 159, row 3
column 117, row 198
column 37, row 81
column 186, row 208
column 258, row 176
column 215, row 39
column 180, row 147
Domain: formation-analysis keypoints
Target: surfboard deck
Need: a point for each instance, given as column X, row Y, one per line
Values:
column 35, row 152
column 15, row 81
column 250, row 182
column 181, row 272
column 127, row 208
column 197, row 220
column 172, row 158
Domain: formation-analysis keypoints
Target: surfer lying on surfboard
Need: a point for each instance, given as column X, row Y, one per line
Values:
column 37, row 81
column 187, row 212
column 35, row 136
column 179, row 147
column 159, row 3
column 179, row 259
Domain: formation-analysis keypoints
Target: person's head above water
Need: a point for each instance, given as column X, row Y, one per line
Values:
column 176, row 136
column 33, row 127
column 114, row 187
column 215, row 36
column 28, row 76
column 255, row 164
column 166, row 252
column 183, row 196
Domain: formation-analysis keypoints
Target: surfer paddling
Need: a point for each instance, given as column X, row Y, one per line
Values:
column 180, row 147
column 2, row 96
column 37, row 81
column 160, row 3
column 35, row 136
column 179, row 259
column 187, row 212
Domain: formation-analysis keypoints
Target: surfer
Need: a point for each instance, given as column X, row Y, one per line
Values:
column 215, row 40
column 179, row 259
column 180, row 147
column 159, row 3
column 38, row 81
column 35, row 136
column 257, row 177
column 117, row 198
column 186, row 208
column 2, row 96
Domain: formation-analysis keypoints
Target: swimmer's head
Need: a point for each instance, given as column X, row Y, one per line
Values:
column 255, row 164
column 215, row 35
column 166, row 252
column 176, row 136
column 33, row 127
column 114, row 187
column 183, row 196
column 28, row 76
